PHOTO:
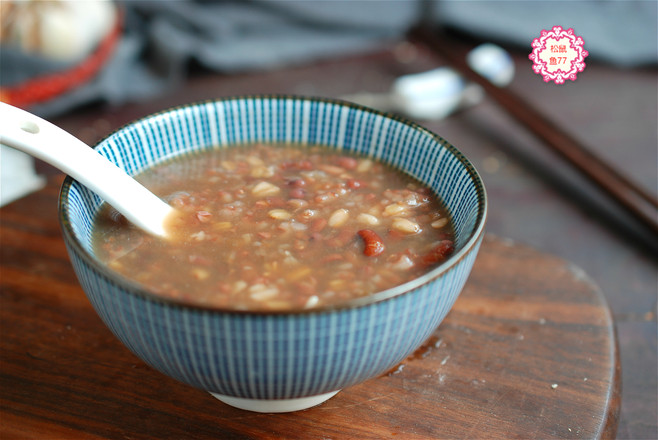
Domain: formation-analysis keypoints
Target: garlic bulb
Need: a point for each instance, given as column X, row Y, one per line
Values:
column 63, row 30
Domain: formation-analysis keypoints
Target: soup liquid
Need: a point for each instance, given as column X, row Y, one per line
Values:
column 272, row 227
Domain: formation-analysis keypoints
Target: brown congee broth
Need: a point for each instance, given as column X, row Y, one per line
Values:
column 274, row 227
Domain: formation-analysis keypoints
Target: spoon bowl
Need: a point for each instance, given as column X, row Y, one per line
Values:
column 39, row 138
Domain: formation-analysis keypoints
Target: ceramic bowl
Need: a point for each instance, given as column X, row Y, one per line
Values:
column 276, row 362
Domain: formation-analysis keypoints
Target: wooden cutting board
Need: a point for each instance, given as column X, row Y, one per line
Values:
column 528, row 351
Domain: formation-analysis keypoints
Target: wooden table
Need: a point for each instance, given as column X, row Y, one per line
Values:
column 65, row 376
column 528, row 351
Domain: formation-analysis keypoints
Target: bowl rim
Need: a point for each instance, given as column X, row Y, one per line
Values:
column 394, row 292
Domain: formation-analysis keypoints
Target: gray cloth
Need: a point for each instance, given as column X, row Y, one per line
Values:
column 624, row 33
column 161, row 38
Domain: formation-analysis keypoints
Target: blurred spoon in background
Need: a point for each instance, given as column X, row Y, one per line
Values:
column 438, row 93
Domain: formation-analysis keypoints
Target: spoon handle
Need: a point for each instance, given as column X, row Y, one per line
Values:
column 39, row 138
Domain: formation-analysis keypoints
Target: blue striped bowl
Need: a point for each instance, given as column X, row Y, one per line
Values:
column 275, row 362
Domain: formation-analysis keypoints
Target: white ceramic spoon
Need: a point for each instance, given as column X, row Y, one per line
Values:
column 39, row 138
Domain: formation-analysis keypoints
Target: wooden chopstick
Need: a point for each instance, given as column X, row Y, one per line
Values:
column 637, row 201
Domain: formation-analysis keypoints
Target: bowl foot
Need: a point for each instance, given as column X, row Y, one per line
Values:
column 275, row 406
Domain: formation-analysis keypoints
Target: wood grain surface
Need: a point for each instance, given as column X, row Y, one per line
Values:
column 528, row 351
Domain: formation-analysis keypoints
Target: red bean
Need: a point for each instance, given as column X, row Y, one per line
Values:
column 318, row 224
column 438, row 253
column 349, row 163
column 299, row 165
column 374, row 245
column 340, row 239
column 354, row 184
column 298, row 193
